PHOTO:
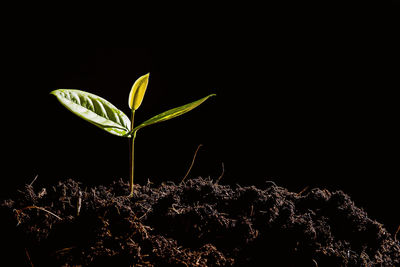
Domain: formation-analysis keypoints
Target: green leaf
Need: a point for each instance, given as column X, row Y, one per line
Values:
column 172, row 113
column 137, row 92
column 95, row 110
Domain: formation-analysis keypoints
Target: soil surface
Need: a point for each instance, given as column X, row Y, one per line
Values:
column 198, row 223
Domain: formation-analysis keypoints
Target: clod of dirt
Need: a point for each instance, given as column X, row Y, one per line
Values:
column 198, row 223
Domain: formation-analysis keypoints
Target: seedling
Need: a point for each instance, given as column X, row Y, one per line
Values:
column 106, row 116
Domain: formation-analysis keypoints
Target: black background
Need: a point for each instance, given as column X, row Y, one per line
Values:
column 309, row 100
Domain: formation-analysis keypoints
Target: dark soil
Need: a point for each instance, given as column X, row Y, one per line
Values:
column 198, row 223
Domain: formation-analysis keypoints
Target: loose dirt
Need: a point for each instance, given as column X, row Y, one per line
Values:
column 197, row 223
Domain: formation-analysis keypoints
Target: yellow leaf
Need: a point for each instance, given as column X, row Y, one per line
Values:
column 137, row 92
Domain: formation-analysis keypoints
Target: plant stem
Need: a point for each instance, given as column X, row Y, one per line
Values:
column 132, row 162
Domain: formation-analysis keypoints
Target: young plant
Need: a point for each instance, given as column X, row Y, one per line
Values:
column 106, row 116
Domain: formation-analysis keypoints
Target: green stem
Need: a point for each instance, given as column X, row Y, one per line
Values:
column 132, row 162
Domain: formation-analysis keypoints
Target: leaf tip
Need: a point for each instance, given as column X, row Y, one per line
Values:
column 57, row 93
column 137, row 92
column 209, row 96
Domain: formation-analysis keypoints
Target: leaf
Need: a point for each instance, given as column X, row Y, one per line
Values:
column 172, row 113
column 95, row 110
column 137, row 92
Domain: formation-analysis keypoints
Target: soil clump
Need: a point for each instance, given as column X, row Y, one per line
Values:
column 197, row 223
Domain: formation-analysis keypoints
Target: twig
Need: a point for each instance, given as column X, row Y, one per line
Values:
column 149, row 183
column 395, row 234
column 198, row 260
column 79, row 203
column 40, row 208
column 222, row 173
column 64, row 250
column 251, row 211
column 315, row 262
column 271, row 182
column 191, row 165
column 34, row 179
column 42, row 193
column 29, row 257
column 144, row 214
column 303, row 190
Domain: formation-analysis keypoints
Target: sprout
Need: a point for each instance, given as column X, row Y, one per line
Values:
column 106, row 116
column 137, row 92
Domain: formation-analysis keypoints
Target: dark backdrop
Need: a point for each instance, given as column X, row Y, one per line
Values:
column 303, row 104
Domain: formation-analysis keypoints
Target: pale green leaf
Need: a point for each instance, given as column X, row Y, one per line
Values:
column 137, row 92
column 172, row 113
column 95, row 110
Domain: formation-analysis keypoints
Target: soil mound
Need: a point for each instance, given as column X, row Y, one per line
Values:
column 198, row 223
